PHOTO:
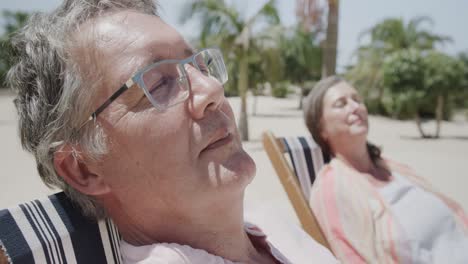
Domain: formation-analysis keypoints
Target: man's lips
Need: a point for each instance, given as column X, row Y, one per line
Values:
column 219, row 141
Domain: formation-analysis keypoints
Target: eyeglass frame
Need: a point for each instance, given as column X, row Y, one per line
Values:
column 137, row 80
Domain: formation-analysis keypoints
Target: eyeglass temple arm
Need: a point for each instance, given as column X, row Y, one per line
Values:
column 112, row 98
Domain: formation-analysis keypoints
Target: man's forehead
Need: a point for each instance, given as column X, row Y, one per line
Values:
column 123, row 42
column 127, row 28
column 131, row 38
column 128, row 32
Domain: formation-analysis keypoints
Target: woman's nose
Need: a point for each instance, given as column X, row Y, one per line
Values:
column 352, row 105
column 207, row 93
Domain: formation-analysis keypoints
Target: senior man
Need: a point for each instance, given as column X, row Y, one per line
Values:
column 132, row 124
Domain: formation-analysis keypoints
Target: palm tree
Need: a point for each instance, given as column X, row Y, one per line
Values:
column 224, row 26
column 309, row 14
column 422, row 82
column 462, row 100
column 392, row 34
column 265, row 64
column 367, row 73
column 444, row 78
column 331, row 41
column 387, row 37
column 301, row 57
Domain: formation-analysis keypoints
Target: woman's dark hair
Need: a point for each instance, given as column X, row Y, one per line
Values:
column 313, row 110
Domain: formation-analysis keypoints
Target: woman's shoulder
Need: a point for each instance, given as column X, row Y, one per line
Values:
column 326, row 170
column 396, row 165
column 404, row 170
column 325, row 176
column 342, row 181
column 330, row 169
column 335, row 168
column 329, row 179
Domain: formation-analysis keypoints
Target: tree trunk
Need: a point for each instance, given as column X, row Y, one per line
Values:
column 242, row 86
column 330, row 45
column 255, row 101
column 418, row 123
column 301, row 96
column 439, row 113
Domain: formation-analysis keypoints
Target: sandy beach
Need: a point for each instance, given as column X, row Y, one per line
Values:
column 444, row 162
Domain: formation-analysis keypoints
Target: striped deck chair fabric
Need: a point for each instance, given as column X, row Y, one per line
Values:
column 297, row 175
column 53, row 230
column 307, row 160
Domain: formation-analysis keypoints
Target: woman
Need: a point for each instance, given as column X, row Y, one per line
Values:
column 373, row 210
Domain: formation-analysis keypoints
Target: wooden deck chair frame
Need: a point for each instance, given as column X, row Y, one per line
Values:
column 3, row 257
column 276, row 150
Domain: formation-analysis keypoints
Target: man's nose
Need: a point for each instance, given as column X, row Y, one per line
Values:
column 207, row 93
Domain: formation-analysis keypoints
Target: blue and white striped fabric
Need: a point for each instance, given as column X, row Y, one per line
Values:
column 53, row 230
column 307, row 160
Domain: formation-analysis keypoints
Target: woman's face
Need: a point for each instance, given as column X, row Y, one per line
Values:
column 344, row 116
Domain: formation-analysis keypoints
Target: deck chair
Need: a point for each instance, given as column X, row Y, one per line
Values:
column 306, row 159
column 53, row 230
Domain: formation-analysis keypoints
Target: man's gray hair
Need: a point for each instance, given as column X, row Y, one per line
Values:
column 53, row 94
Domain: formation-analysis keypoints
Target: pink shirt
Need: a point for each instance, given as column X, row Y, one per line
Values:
column 359, row 223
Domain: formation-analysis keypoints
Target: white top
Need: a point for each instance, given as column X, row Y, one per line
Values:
column 427, row 222
column 287, row 243
column 172, row 253
column 287, row 236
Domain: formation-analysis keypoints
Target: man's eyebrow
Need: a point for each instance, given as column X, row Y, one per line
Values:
column 189, row 51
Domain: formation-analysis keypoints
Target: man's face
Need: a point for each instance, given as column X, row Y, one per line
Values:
column 178, row 159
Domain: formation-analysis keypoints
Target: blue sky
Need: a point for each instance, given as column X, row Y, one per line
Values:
column 450, row 17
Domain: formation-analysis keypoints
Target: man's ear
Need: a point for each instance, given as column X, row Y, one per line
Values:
column 73, row 169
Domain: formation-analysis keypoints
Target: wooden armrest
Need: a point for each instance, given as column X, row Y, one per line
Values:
column 3, row 257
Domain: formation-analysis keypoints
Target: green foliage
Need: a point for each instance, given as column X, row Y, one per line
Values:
column 366, row 75
column 275, row 53
column 415, row 79
column 232, row 64
column 13, row 21
column 225, row 27
column 461, row 100
column 443, row 74
column 377, row 107
column 280, row 90
column 463, row 57
column 443, row 77
column 392, row 34
column 404, row 71
column 264, row 61
column 301, row 56
column 389, row 36
column 307, row 87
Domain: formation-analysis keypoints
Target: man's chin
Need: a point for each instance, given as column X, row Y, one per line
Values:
column 242, row 165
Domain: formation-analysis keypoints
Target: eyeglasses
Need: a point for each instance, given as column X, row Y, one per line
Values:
column 166, row 83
